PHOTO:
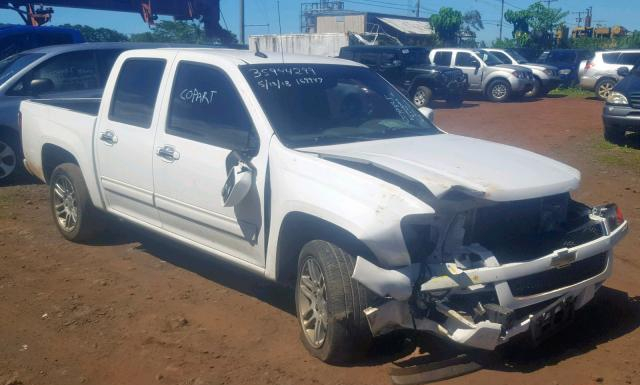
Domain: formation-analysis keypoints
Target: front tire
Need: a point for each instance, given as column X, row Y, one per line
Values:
column 604, row 88
column 422, row 96
column 73, row 212
column 499, row 91
column 330, row 304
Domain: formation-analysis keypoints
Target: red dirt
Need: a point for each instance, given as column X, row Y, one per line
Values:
column 138, row 310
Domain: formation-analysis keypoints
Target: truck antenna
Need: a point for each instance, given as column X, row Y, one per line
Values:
column 280, row 28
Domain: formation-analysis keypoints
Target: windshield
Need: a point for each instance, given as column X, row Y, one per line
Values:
column 517, row 57
column 320, row 104
column 13, row 64
column 489, row 58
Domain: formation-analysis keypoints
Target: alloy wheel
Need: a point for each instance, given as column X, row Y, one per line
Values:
column 8, row 160
column 312, row 303
column 499, row 91
column 605, row 89
column 65, row 203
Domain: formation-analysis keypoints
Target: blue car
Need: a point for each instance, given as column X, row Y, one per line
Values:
column 18, row 38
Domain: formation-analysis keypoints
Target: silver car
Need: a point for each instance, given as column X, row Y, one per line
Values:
column 486, row 73
column 546, row 76
column 71, row 70
column 600, row 73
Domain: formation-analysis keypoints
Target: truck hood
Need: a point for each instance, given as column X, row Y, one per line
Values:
column 446, row 162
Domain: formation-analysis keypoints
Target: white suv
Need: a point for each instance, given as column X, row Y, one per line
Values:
column 600, row 73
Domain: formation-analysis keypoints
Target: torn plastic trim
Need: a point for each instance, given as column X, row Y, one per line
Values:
column 448, row 276
column 398, row 283
column 487, row 335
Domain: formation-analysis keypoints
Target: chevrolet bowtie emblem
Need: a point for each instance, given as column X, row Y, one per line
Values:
column 563, row 259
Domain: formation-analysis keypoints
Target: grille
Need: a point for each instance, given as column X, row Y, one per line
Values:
column 558, row 278
column 634, row 99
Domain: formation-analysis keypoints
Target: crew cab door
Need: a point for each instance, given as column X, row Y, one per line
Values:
column 192, row 158
column 470, row 65
column 124, row 138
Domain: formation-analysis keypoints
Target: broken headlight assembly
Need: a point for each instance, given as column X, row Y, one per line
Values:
column 611, row 213
column 420, row 239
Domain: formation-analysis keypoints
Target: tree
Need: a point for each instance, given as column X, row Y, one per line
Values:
column 97, row 34
column 534, row 27
column 185, row 32
column 447, row 24
column 471, row 22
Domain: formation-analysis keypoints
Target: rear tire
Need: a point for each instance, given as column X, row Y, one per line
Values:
column 10, row 155
column 499, row 91
column 614, row 134
column 73, row 212
column 604, row 88
column 422, row 96
column 327, row 298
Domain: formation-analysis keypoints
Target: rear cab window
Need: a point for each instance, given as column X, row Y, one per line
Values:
column 134, row 97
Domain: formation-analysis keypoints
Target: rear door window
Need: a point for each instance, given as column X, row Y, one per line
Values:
column 610, row 58
column 136, row 91
column 442, row 58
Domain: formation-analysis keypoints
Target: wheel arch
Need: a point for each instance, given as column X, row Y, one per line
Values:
column 52, row 157
column 297, row 229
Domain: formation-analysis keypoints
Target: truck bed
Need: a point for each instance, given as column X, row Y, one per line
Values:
column 89, row 106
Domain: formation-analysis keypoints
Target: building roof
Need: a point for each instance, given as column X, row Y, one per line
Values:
column 410, row 27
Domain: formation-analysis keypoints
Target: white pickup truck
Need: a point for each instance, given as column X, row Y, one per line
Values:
column 317, row 172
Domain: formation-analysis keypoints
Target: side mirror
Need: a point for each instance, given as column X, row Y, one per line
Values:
column 40, row 86
column 238, row 184
column 427, row 113
column 476, row 64
column 623, row 71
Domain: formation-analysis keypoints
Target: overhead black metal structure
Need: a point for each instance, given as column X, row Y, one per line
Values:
column 40, row 12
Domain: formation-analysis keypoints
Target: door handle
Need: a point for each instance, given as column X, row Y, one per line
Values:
column 109, row 137
column 168, row 153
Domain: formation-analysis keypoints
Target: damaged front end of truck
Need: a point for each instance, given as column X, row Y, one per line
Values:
column 483, row 272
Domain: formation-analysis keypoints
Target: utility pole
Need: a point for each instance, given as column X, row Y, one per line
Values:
column 549, row 2
column 501, row 18
column 241, row 21
column 418, row 9
column 579, row 18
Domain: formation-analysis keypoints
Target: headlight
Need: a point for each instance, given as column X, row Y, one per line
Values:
column 611, row 213
column 548, row 72
column 519, row 74
column 565, row 71
column 617, row 98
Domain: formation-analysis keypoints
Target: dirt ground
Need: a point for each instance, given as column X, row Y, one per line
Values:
column 135, row 309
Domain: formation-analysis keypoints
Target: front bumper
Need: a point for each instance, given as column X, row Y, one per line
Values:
column 520, row 86
column 550, row 83
column 397, row 286
column 621, row 116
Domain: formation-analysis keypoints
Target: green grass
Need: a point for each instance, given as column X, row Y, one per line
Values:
column 572, row 92
column 618, row 156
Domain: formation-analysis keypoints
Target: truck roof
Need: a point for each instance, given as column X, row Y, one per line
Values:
column 240, row 56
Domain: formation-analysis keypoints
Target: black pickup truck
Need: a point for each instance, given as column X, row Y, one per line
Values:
column 409, row 69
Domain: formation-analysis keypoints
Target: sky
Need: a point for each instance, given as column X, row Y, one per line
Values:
column 261, row 12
